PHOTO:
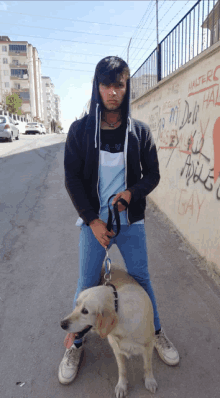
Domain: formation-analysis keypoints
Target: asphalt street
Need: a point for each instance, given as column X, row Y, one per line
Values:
column 39, row 271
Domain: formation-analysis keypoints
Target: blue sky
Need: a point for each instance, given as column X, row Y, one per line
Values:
column 72, row 36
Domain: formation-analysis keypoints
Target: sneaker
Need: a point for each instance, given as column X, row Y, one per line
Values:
column 166, row 350
column 69, row 365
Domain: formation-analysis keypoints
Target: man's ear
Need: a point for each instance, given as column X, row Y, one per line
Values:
column 106, row 321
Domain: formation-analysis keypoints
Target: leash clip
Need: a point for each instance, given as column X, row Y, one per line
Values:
column 107, row 263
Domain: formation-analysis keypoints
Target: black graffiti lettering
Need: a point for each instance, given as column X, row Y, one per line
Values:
column 197, row 177
column 187, row 163
column 198, row 143
column 207, row 178
column 187, row 115
column 195, row 113
column 190, row 169
column 191, row 172
column 218, row 193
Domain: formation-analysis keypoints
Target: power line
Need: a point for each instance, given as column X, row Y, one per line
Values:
column 74, row 70
column 137, row 29
column 70, row 52
column 72, row 41
column 61, row 60
column 167, row 24
column 135, row 52
column 68, row 19
column 66, row 30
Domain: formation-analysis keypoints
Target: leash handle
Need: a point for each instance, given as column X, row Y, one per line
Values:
column 116, row 213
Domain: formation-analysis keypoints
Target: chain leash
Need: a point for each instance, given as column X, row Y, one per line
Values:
column 107, row 263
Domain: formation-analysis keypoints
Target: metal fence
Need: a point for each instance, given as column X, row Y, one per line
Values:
column 194, row 33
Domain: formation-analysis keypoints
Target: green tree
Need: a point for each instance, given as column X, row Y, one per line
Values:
column 13, row 103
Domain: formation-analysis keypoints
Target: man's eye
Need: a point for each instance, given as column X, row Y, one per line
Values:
column 85, row 311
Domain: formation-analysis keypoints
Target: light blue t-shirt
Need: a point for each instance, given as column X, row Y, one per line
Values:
column 111, row 172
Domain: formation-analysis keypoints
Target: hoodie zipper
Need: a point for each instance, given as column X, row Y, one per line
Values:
column 99, row 124
column 126, row 171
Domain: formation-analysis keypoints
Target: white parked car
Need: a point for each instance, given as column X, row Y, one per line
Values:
column 43, row 129
column 8, row 128
column 33, row 128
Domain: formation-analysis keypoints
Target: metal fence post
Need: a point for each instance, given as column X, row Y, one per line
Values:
column 159, row 62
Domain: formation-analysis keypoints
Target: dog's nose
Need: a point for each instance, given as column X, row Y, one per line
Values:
column 64, row 324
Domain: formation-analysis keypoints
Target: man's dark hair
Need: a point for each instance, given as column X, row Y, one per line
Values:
column 110, row 69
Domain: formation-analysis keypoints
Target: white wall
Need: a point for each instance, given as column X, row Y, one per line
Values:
column 183, row 112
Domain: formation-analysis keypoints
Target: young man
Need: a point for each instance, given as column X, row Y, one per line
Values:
column 107, row 152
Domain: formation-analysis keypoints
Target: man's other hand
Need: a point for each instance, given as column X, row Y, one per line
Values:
column 99, row 229
column 126, row 195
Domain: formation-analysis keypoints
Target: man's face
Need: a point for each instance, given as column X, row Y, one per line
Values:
column 113, row 95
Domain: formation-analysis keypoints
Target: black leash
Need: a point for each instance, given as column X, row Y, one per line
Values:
column 116, row 214
column 107, row 260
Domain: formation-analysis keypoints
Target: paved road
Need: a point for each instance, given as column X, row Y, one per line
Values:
column 39, row 270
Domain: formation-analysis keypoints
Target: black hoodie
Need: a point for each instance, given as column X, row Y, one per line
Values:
column 81, row 160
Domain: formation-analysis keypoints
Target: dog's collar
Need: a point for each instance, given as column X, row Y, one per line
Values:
column 115, row 294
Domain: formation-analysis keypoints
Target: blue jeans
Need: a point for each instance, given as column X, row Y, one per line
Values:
column 131, row 243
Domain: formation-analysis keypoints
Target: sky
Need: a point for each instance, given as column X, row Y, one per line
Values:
column 71, row 37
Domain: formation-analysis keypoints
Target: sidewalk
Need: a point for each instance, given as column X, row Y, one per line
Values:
column 189, row 307
column 188, row 302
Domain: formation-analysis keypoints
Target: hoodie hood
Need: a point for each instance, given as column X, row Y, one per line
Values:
column 93, row 122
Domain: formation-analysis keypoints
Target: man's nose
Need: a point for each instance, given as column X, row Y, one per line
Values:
column 112, row 91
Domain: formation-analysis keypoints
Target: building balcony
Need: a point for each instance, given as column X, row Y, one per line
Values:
column 24, row 77
column 20, row 65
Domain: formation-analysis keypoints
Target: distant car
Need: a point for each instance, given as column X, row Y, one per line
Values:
column 33, row 128
column 43, row 129
column 8, row 129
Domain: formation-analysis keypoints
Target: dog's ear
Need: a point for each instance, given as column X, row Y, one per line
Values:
column 106, row 322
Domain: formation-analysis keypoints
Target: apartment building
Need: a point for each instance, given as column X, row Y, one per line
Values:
column 49, row 103
column 57, row 108
column 20, row 72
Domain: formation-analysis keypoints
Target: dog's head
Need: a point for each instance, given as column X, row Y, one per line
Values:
column 94, row 309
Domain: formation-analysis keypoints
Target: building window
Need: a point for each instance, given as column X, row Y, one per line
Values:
column 18, row 86
column 15, row 62
column 6, row 84
column 18, row 72
column 47, row 85
column 17, row 48
column 6, row 72
column 25, row 95
column 4, row 48
column 5, row 60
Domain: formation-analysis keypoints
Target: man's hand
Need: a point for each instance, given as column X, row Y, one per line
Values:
column 99, row 229
column 126, row 195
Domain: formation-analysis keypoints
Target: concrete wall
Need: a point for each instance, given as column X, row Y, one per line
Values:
column 183, row 112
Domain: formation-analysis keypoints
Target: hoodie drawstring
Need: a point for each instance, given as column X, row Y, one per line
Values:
column 96, row 124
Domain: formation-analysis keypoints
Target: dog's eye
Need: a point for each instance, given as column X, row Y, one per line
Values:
column 84, row 311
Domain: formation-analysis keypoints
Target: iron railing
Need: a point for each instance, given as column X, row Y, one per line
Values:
column 194, row 33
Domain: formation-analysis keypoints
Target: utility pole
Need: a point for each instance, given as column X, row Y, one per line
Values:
column 157, row 23
column 128, row 50
column 158, row 47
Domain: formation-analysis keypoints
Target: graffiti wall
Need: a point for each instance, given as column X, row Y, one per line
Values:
column 184, row 117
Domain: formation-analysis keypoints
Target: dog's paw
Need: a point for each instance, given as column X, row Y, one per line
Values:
column 151, row 384
column 121, row 390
